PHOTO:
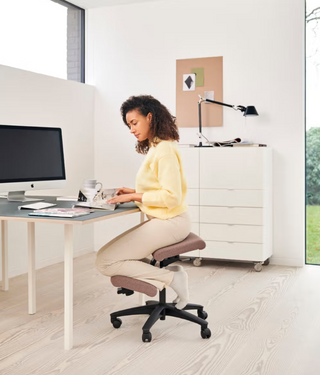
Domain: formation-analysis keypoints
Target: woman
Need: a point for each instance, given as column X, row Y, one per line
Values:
column 160, row 193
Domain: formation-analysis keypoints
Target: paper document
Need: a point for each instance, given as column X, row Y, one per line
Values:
column 36, row 206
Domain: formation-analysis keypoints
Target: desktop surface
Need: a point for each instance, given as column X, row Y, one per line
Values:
column 10, row 210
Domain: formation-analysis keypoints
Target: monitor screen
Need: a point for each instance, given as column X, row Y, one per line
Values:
column 29, row 153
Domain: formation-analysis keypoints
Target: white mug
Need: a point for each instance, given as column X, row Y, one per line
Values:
column 91, row 184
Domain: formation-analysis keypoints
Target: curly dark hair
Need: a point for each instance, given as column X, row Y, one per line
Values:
column 163, row 124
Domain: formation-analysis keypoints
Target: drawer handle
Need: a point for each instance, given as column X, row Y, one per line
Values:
column 230, row 242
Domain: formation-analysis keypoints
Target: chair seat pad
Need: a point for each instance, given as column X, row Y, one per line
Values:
column 134, row 284
column 192, row 242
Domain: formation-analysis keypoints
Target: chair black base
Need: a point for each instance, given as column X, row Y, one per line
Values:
column 159, row 310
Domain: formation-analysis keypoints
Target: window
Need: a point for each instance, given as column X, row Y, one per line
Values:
column 43, row 36
column 312, row 132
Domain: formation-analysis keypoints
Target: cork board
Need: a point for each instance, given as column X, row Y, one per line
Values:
column 187, row 101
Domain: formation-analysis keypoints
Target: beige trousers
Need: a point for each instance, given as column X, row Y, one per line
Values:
column 123, row 255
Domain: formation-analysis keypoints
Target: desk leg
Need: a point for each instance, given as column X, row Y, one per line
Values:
column 141, row 295
column 68, row 286
column 4, row 246
column 31, row 269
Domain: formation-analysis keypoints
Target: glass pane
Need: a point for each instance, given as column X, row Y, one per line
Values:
column 313, row 131
column 45, row 37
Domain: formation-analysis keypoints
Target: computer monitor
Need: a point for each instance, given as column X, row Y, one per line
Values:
column 31, row 158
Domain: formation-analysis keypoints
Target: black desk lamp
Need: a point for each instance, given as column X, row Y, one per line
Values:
column 247, row 111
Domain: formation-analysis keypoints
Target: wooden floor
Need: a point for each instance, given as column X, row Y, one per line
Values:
column 261, row 323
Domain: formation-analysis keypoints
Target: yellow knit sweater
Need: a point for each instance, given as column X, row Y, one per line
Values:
column 162, row 181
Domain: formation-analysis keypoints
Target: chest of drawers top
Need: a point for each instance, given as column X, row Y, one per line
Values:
column 227, row 168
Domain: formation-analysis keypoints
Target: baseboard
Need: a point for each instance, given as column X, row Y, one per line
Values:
column 290, row 262
column 48, row 262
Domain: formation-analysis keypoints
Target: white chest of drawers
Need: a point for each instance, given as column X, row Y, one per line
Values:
column 230, row 201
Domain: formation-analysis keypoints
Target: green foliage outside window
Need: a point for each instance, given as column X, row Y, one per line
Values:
column 313, row 166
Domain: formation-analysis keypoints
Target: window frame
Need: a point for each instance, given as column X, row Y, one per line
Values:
column 82, row 37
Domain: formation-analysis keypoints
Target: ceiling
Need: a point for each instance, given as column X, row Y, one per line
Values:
column 87, row 4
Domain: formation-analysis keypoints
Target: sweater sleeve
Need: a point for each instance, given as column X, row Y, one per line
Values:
column 167, row 170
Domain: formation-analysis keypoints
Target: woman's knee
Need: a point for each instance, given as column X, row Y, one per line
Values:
column 102, row 265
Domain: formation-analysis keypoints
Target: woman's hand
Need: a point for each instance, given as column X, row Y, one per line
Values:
column 125, row 190
column 126, row 198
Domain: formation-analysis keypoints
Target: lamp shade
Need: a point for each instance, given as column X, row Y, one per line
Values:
column 250, row 111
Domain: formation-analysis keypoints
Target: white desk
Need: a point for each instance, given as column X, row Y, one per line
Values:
column 9, row 212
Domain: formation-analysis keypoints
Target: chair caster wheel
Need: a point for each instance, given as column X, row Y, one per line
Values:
column 205, row 333
column 116, row 322
column 202, row 314
column 197, row 262
column 146, row 337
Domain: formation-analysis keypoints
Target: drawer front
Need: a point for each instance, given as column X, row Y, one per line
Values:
column 232, row 168
column 190, row 165
column 234, row 251
column 231, row 215
column 231, row 198
column 193, row 197
column 194, row 214
column 231, row 233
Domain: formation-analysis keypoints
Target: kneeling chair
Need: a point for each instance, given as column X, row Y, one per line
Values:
column 127, row 285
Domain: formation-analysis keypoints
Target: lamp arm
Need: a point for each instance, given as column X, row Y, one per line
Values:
column 200, row 135
column 199, row 112
column 214, row 101
column 235, row 107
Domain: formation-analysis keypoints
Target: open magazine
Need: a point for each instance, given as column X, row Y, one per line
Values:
column 99, row 201
column 226, row 143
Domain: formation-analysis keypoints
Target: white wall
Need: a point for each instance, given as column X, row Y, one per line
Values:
column 133, row 49
column 28, row 98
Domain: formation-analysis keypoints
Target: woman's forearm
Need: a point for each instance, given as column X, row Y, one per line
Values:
column 137, row 197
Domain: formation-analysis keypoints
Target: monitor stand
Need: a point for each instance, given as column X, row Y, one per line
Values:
column 19, row 196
